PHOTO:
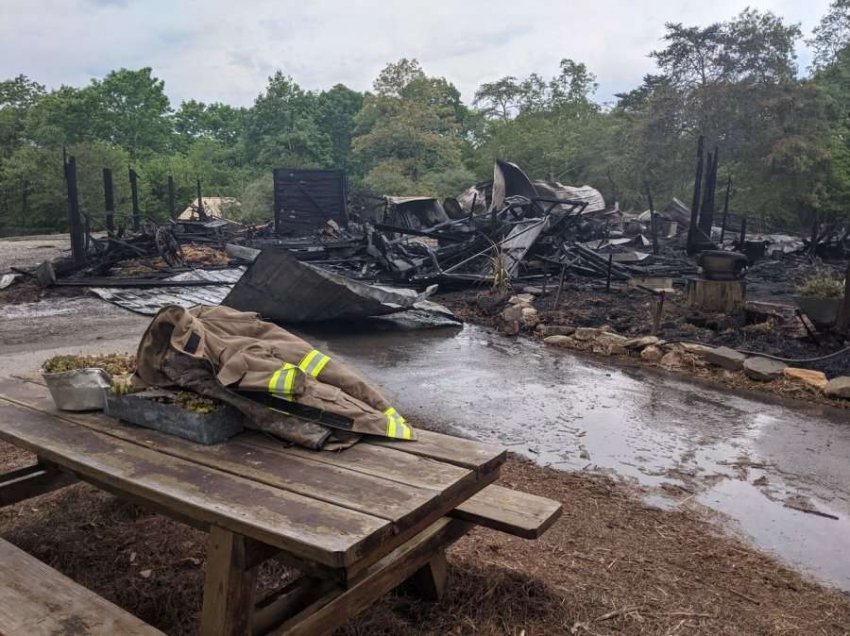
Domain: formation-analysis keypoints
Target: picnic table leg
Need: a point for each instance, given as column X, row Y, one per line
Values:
column 430, row 579
column 228, row 586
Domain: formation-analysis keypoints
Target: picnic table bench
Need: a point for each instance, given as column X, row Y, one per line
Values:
column 355, row 523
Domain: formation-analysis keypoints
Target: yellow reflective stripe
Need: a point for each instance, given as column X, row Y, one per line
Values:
column 396, row 425
column 321, row 364
column 314, row 362
column 289, row 382
column 283, row 387
column 307, row 360
column 273, row 381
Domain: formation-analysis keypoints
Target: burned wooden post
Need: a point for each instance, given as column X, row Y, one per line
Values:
column 706, row 215
column 172, row 212
column 201, row 212
column 134, row 196
column 653, row 220
column 692, row 229
column 725, row 209
column 108, row 201
column 560, row 285
column 608, row 277
column 844, row 314
column 743, row 237
column 75, row 225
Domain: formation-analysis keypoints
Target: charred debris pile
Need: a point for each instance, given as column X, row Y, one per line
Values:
column 503, row 236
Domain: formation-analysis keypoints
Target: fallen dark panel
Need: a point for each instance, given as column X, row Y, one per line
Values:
column 281, row 288
column 304, row 200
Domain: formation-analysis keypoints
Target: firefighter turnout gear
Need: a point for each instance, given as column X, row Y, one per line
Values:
column 257, row 357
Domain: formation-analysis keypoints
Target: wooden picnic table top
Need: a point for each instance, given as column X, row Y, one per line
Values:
column 340, row 510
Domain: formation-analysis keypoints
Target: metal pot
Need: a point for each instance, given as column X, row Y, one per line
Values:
column 720, row 265
column 78, row 390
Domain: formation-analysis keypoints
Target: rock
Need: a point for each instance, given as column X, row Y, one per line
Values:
column 763, row 369
column 651, row 354
column 693, row 347
column 838, row 387
column 725, row 357
column 530, row 317
column 555, row 330
column 609, row 338
column 559, row 341
column 641, row 343
column 617, row 350
column 671, row 360
column 814, row 379
column 512, row 314
column 585, row 333
column 536, row 291
column 521, row 298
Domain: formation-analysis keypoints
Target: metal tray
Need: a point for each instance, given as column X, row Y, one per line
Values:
column 78, row 390
column 204, row 428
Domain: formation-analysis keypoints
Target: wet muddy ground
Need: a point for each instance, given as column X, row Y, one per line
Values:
column 686, row 444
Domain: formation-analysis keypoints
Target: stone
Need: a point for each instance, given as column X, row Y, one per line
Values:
column 610, row 338
column 651, row 354
column 725, row 358
column 555, row 330
column 763, row 369
column 617, row 350
column 559, row 341
column 586, row 333
column 512, row 314
column 530, row 317
column 520, row 299
column 838, row 387
column 672, row 360
column 641, row 343
column 693, row 347
column 815, row 379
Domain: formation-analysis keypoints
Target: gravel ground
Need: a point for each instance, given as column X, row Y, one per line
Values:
column 29, row 251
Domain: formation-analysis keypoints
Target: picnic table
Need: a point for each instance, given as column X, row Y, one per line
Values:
column 355, row 523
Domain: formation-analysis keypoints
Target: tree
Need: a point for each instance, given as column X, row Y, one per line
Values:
column 194, row 120
column 499, row 99
column 133, row 111
column 832, row 35
column 337, row 109
column 281, row 129
column 410, row 134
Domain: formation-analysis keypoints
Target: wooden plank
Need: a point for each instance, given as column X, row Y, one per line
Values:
column 228, row 586
column 36, row 600
column 517, row 513
column 337, row 607
column 447, row 448
column 31, row 481
column 305, row 527
column 431, row 579
column 287, row 602
column 396, row 486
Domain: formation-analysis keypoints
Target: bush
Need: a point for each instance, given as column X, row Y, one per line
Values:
column 822, row 285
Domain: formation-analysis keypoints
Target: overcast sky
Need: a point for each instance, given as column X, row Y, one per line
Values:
column 224, row 50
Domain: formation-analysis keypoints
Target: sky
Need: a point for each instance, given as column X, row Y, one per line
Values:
column 224, row 50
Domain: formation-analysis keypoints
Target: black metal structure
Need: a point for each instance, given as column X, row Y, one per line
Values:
column 306, row 199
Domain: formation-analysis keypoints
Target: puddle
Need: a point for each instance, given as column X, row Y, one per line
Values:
column 574, row 413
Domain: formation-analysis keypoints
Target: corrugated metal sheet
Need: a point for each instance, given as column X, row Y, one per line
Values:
column 150, row 300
